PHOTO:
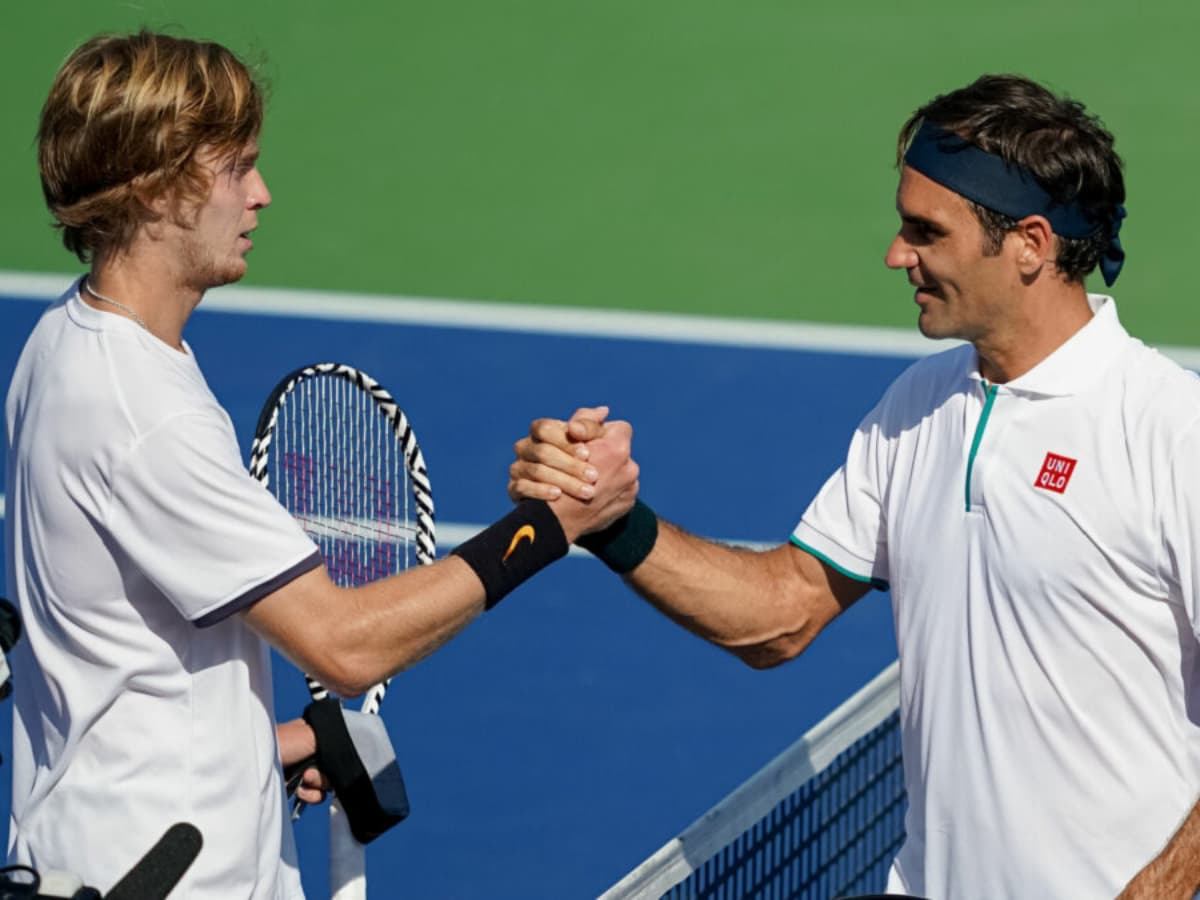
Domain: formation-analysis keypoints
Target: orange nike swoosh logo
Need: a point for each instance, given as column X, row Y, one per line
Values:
column 525, row 531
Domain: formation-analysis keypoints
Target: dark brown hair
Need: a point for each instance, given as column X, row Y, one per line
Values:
column 1067, row 149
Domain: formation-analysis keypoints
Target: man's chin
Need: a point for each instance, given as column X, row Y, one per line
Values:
column 229, row 275
column 932, row 329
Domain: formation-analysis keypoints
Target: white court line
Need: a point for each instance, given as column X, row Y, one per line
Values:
column 558, row 320
column 451, row 534
column 859, row 340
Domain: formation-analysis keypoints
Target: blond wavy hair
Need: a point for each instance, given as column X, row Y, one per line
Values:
column 122, row 127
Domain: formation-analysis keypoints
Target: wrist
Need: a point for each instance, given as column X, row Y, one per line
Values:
column 624, row 544
column 514, row 549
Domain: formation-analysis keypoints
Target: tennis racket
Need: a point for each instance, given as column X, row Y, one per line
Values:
column 338, row 452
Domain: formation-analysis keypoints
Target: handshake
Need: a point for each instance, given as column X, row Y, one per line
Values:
column 581, row 466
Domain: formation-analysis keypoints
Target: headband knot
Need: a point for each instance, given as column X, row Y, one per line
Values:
column 1009, row 189
column 1114, row 253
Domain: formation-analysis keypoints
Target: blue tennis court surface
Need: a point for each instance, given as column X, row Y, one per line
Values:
column 568, row 733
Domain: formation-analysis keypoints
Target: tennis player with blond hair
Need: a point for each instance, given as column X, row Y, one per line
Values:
column 151, row 571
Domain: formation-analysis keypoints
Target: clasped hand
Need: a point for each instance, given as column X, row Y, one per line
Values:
column 581, row 466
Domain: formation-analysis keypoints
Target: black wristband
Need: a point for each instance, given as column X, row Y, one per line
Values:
column 626, row 542
column 516, row 548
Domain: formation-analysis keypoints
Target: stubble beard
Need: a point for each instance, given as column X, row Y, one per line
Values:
column 204, row 269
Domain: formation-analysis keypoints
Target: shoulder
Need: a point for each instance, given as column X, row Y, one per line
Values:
column 161, row 382
column 928, row 383
column 1158, row 399
column 1156, row 380
column 1138, row 369
column 947, row 366
column 141, row 381
column 117, row 387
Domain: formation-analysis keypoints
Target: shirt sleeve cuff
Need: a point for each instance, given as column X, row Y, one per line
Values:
column 837, row 557
column 253, row 595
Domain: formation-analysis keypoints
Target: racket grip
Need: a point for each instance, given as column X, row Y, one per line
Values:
column 294, row 774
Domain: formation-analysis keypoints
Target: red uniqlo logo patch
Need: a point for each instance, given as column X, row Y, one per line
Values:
column 1056, row 472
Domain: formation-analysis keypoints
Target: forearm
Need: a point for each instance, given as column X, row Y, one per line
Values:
column 351, row 638
column 396, row 622
column 765, row 607
column 1175, row 872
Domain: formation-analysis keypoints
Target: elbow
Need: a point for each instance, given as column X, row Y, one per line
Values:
column 344, row 673
column 347, row 686
column 349, row 663
column 760, row 660
column 770, row 652
column 341, row 681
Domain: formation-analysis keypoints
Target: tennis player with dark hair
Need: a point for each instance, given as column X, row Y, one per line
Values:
column 1030, row 499
column 148, row 565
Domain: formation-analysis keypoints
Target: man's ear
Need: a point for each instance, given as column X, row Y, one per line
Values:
column 1035, row 244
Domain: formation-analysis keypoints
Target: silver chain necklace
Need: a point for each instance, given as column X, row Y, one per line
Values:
column 87, row 286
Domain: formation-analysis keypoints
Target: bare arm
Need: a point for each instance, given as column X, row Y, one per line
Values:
column 351, row 638
column 763, row 607
column 1175, row 872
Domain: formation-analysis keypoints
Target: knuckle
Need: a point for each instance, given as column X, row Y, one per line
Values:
column 542, row 428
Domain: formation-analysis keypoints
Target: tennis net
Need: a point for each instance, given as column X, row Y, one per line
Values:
column 821, row 820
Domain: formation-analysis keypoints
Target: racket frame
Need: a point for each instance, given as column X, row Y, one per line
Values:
column 347, row 857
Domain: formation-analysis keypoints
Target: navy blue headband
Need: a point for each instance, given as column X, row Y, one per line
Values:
column 1007, row 188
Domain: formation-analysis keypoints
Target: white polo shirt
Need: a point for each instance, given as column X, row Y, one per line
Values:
column 133, row 536
column 1040, row 539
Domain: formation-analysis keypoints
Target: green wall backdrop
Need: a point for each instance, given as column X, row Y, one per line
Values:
column 684, row 155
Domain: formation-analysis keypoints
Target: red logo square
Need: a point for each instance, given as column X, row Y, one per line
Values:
column 1056, row 472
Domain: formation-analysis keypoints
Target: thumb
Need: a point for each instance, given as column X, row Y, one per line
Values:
column 587, row 423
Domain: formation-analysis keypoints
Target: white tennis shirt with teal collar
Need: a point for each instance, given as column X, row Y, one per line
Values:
column 1041, row 542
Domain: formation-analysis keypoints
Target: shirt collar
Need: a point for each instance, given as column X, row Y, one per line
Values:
column 1076, row 362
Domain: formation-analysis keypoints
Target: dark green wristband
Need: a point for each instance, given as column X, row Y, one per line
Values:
column 626, row 542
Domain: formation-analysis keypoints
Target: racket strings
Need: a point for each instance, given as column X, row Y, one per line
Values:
column 340, row 473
